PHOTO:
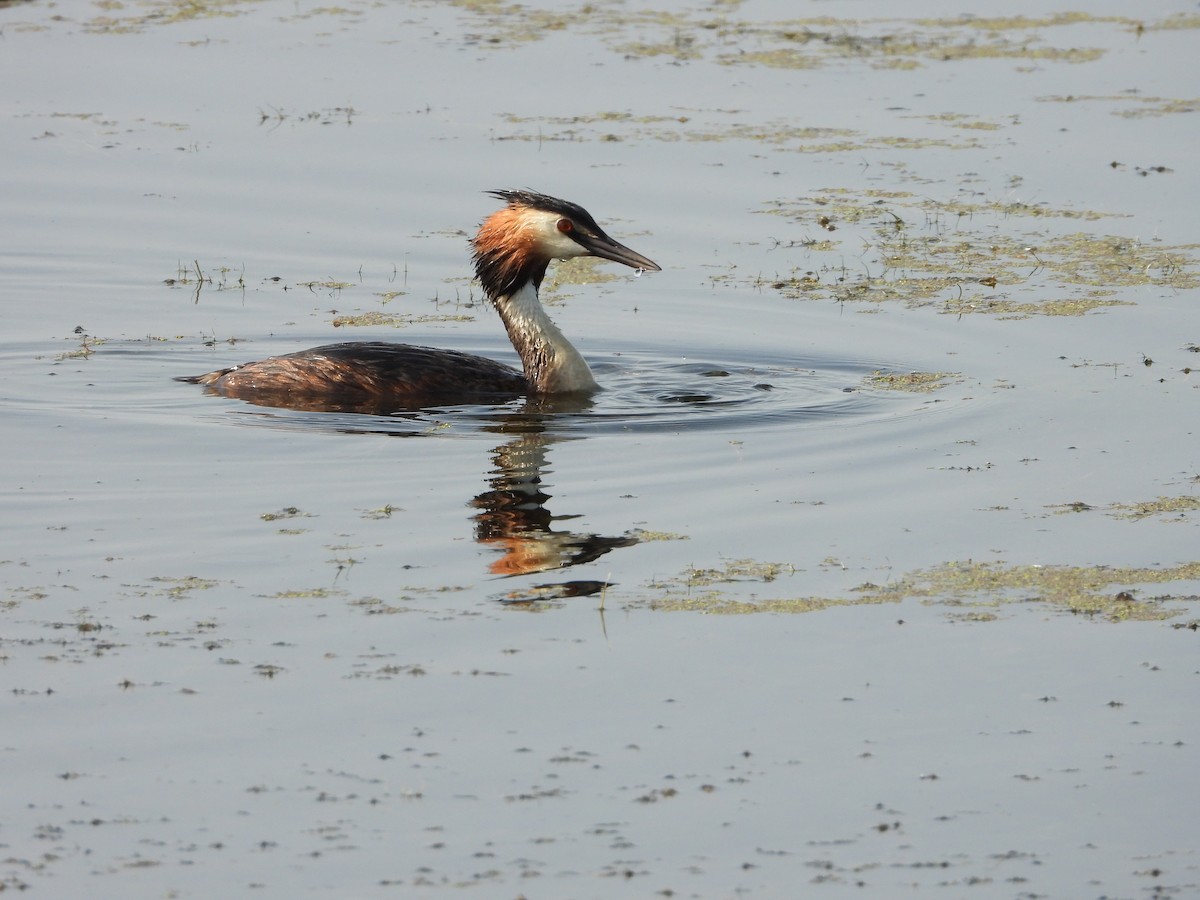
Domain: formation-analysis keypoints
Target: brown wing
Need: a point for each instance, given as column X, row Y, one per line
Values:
column 367, row 371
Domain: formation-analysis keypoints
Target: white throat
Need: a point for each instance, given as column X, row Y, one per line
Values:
column 552, row 364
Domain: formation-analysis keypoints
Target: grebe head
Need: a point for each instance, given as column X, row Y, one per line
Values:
column 515, row 244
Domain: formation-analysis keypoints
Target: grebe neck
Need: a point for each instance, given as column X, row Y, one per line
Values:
column 552, row 364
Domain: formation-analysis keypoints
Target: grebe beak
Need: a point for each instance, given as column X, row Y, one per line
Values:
column 600, row 244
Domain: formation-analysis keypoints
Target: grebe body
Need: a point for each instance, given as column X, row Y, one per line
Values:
column 511, row 252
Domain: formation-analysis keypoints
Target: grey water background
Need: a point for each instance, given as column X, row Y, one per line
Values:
column 753, row 623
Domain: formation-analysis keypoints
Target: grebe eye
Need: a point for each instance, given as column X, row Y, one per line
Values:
column 566, row 226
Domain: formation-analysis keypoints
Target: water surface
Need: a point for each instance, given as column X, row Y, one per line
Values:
column 872, row 568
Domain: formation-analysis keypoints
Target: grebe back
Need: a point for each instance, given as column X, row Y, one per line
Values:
column 511, row 252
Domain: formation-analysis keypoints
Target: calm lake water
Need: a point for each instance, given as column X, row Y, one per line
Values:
column 872, row 571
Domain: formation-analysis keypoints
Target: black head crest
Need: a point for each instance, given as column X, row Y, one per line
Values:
column 535, row 200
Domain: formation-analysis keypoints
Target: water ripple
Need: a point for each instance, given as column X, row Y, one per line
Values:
column 642, row 394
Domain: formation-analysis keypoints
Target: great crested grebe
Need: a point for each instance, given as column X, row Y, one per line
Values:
column 511, row 250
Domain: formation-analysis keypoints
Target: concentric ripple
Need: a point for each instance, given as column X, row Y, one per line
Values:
column 642, row 394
